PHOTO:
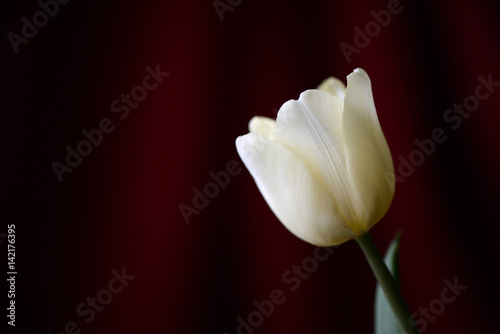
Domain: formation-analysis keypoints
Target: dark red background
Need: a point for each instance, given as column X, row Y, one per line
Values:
column 119, row 207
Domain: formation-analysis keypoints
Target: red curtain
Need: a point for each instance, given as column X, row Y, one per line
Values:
column 160, row 90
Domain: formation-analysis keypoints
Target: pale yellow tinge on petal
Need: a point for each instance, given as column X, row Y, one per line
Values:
column 263, row 126
column 333, row 86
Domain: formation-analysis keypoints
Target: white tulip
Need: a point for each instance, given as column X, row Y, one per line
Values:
column 323, row 165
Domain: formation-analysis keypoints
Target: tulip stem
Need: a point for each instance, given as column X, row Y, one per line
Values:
column 387, row 282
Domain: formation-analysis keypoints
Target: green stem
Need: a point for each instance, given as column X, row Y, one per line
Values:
column 387, row 282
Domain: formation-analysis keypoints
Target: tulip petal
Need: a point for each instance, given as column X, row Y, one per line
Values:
column 311, row 128
column 292, row 192
column 333, row 86
column 262, row 125
column 369, row 161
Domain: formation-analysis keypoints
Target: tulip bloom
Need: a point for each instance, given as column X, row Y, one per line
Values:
column 324, row 166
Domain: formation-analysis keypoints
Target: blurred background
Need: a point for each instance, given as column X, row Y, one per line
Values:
column 169, row 85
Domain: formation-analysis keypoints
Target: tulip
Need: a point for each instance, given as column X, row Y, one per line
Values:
column 325, row 170
column 324, row 166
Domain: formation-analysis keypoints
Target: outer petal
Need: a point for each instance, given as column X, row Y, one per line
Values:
column 295, row 196
column 369, row 160
column 263, row 126
column 333, row 86
column 311, row 128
